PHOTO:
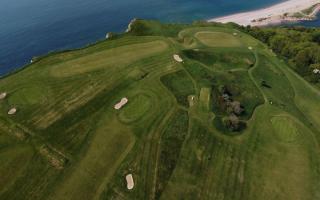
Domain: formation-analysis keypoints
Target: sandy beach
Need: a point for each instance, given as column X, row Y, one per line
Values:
column 272, row 15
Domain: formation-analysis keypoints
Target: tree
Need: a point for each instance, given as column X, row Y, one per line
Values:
column 233, row 123
column 316, row 37
column 302, row 60
column 278, row 42
column 236, row 107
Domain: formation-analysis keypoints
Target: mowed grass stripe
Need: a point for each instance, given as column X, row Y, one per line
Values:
column 13, row 162
column 118, row 56
column 107, row 150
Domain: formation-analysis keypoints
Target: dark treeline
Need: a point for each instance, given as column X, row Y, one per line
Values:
column 300, row 46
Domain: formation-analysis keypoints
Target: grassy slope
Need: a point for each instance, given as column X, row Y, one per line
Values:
column 165, row 136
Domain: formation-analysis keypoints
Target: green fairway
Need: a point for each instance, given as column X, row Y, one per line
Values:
column 204, row 98
column 32, row 94
column 227, row 123
column 116, row 57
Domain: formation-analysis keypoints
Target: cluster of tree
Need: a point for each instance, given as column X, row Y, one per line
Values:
column 300, row 46
column 232, row 108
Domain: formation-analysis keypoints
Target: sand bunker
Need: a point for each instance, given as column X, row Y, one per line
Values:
column 177, row 58
column 235, row 34
column 316, row 71
column 130, row 183
column 119, row 105
column 108, row 35
column 250, row 48
column 3, row 95
column 12, row 111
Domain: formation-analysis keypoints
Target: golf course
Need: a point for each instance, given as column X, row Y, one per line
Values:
column 163, row 111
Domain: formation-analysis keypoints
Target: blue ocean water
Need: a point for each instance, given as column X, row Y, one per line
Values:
column 315, row 23
column 35, row 27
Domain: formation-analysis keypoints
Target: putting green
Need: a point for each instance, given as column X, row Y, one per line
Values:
column 286, row 129
column 218, row 39
column 137, row 107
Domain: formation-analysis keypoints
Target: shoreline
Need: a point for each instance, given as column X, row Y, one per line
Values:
column 288, row 11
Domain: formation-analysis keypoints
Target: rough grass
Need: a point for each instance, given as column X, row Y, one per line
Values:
column 13, row 162
column 180, row 85
column 223, row 59
column 171, row 142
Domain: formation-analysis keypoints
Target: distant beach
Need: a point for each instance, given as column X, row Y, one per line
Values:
column 288, row 11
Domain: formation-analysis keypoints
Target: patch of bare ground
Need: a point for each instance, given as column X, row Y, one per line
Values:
column 54, row 112
column 55, row 158
column 14, row 131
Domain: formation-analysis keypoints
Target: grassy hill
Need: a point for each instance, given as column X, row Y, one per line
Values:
column 230, row 122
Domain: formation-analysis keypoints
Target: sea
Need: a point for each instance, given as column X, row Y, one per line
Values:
column 31, row 28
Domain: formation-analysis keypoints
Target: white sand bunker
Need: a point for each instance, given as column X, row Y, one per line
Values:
column 130, row 183
column 12, row 111
column 108, row 35
column 235, row 34
column 3, row 95
column 250, row 48
column 177, row 58
column 191, row 100
column 119, row 105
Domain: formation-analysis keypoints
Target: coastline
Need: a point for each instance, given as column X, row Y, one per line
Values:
column 288, row 11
